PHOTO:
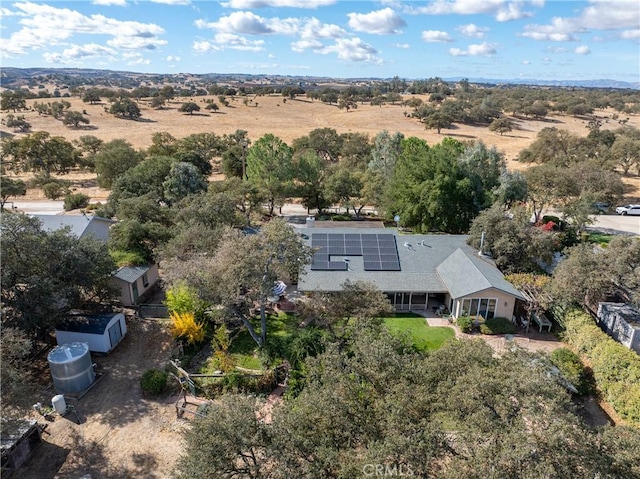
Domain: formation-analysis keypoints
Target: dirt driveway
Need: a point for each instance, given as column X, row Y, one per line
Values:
column 122, row 434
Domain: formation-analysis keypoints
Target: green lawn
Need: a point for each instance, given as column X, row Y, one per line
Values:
column 244, row 349
column 424, row 337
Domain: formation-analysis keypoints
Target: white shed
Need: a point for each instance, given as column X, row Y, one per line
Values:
column 101, row 332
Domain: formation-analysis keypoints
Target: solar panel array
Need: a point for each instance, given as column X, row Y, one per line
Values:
column 378, row 251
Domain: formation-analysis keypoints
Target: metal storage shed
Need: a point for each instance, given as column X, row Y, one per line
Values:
column 101, row 332
column 18, row 440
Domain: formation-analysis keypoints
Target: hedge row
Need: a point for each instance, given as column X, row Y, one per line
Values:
column 616, row 369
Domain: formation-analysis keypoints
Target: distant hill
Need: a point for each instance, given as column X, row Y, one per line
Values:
column 16, row 77
column 603, row 83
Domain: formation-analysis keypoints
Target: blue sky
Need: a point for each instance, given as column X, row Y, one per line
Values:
column 533, row 39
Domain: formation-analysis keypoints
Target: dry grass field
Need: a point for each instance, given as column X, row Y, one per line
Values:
column 292, row 119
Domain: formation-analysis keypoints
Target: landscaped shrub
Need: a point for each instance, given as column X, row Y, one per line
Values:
column 340, row 218
column 465, row 323
column 183, row 299
column 497, row 326
column 571, row 368
column 74, row 201
column 154, row 382
column 616, row 369
column 184, row 325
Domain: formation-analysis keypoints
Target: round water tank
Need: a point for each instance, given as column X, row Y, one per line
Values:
column 59, row 404
column 71, row 367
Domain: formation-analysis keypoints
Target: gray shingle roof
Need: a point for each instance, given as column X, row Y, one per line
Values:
column 130, row 274
column 80, row 225
column 419, row 262
column 464, row 274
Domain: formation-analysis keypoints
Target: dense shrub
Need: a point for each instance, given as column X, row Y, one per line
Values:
column 127, row 258
column 74, row 201
column 239, row 382
column 616, row 369
column 185, row 326
column 154, row 382
column 497, row 326
column 340, row 218
column 465, row 323
column 571, row 368
column 55, row 189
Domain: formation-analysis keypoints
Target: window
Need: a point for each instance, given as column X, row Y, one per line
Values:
column 479, row 307
column 145, row 280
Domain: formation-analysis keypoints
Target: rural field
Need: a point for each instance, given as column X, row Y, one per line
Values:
column 289, row 120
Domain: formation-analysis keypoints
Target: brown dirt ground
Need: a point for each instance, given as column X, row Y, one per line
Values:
column 122, row 434
column 290, row 120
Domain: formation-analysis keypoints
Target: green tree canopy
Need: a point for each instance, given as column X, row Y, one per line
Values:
column 113, row 160
column 41, row 152
column 458, row 413
column 11, row 187
column 46, row 274
column 184, row 179
column 270, row 169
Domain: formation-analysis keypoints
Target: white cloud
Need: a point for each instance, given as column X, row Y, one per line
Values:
column 249, row 23
column 582, row 50
column 106, row 3
column 436, row 36
column 353, row 49
column 237, row 42
column 501, row 10
column 204, row 47
column 483, row 49
column 630, row 34
column 560, row 30
column 44, row 26
column 525, row 62
column 404, row 46
column 172, row 58
column 599, row 15
column 172, row 2
column 379, row 22
column 223, row 41
column 247, row 4
column 314, row 28
column 239, row 22
column 473, row 30
column 551, row 49
column 77, row 53
column 302, row 45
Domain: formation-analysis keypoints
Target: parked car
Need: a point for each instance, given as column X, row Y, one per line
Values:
column 601, row 208
column 628, row 210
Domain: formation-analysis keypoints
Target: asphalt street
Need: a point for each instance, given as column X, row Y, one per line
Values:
column 606, row 223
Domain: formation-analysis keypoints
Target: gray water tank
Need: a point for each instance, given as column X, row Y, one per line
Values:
column 71, row 367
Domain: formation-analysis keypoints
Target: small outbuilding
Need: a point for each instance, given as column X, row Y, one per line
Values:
column 101, row 332
column 18, row 440
column 622, row 323
column 135, row 282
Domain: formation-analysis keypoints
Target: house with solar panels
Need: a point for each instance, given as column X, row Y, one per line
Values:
column 417, row 272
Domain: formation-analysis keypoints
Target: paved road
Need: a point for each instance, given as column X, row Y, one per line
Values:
column 612, row 223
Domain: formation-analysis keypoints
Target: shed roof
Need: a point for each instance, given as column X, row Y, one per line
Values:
column 90, row 324
column 131, row 274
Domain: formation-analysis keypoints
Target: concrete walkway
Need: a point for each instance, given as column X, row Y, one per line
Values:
column 531, row 341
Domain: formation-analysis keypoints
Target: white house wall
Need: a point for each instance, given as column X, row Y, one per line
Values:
column 505, row 305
